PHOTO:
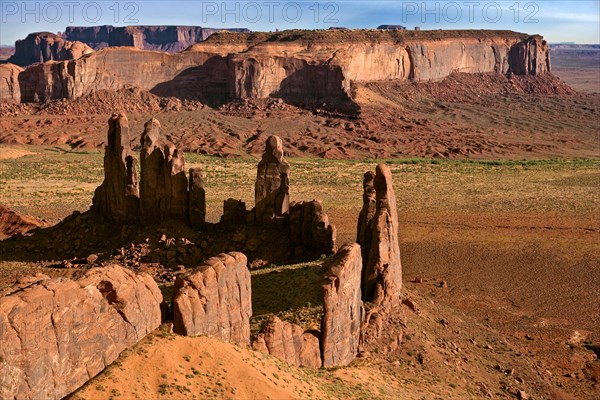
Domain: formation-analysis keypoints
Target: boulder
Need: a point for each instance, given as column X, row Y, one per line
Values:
column 272, row 188
column 215, row 299
column 196, row 199
column 163, row 184
column 342, row 307
column 118, row 196
column 56, row 334
column 382, row 270
column 289, row 342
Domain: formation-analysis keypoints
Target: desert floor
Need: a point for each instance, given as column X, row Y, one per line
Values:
column 516, row 241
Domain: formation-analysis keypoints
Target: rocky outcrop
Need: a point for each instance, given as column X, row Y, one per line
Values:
column 530, row 57
column 12, row 223
column 214, row 300
column 196, row 199
column 310, row 229
column 289, row 342
column 163, row 184
column 169, row 38
column 44, row 46
column 56, row 334
column 382, row 270
column 342, row 307
column 306, row 68
column 118, row 196
column 272, row 188
column 10, row 91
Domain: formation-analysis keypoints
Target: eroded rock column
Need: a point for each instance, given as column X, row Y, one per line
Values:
column 272, row 186
column 382, row 270
column 163, row 184
column 118, row 196
column 196, row 199
column 342, row 307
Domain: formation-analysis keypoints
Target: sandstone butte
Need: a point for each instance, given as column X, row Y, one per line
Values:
column 301, row 67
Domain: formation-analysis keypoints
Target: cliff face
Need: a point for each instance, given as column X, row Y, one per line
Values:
column 10, row 91
column 169, row 38
column 300, row 71
column 44, row 46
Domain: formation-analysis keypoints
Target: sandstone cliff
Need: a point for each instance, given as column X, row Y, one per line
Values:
column 44, row 46
column 309, row 68
column 10, row 91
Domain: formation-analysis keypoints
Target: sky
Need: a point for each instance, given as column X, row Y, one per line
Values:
column 558, row 21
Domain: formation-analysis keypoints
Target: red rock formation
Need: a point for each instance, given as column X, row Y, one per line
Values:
column 310, row 230
column 56, row 334
column 44, row 46
column 382, row 271
column 530, row 57
column 342, row 307
column 272, row 188
column 317, row 69
column 12, row 222
column 196, row 199
column 172, row 39
column 289, row 342
column 10, row 90
column 118, row 196
column 214, row 300
column 163, row 184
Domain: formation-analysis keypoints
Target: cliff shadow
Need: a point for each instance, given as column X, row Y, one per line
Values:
column 209, row 83
column 320, row 86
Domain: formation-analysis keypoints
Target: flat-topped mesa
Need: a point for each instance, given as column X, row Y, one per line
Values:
column 378, row 236
column 163, row 184
column 271, row 193
column 169, row 38
column 118, row 196
column 316, row 68
column 45, row 46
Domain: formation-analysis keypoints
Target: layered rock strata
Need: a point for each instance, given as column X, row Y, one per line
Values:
column 300, row 67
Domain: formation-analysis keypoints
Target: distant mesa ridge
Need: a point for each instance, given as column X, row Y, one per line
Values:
column 303, row 68
column 169, row 38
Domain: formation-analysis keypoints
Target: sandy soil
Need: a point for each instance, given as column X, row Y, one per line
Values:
column 464, row 116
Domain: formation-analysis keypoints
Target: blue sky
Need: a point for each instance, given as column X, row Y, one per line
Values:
column 558, row 21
